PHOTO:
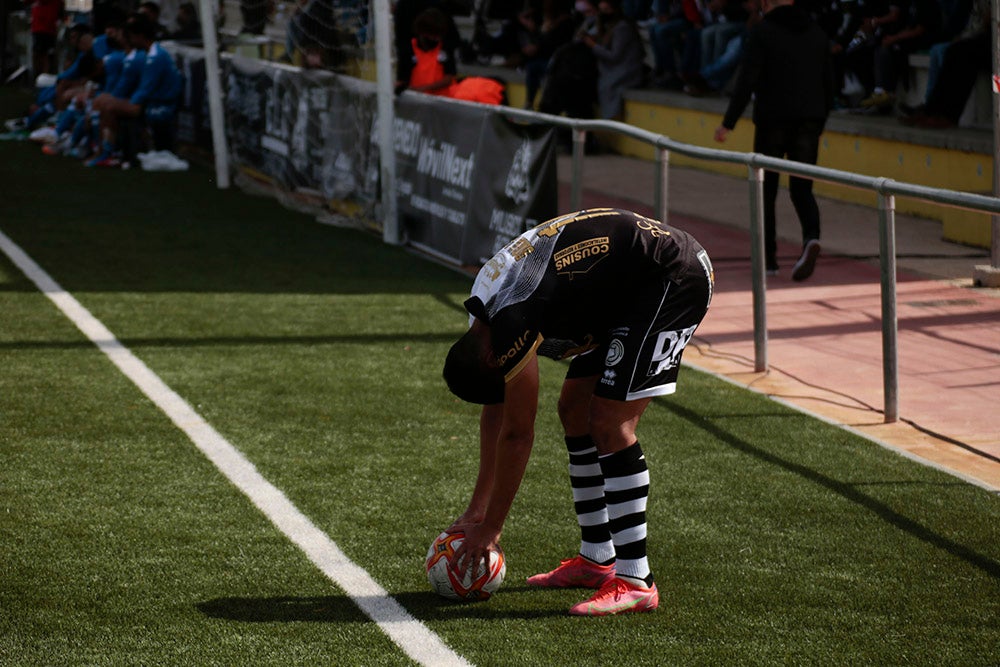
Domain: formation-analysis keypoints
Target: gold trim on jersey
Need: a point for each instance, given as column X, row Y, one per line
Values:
column 519, row 345
column 552, row 227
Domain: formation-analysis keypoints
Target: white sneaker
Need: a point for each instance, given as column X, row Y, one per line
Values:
column 44, row 135
column 15, row 124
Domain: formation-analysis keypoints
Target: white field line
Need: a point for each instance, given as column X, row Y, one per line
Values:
column 412, row 636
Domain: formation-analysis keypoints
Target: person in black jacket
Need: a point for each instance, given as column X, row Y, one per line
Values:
column 786, row 65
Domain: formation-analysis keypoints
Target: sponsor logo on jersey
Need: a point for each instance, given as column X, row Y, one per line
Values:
column 593, row 250
column 615, row 353
column 668, row 348
column 514, row 349
column 609, row 377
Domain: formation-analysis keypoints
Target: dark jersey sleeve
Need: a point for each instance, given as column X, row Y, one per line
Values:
column 515, row 338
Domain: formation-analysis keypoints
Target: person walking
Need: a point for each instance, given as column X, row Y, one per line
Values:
column 787, row 67
column 621, row 295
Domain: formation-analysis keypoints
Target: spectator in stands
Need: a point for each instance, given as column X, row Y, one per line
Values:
column 571, row 78
column 188, row 26
column 45, row 15
column 168, row 16
column 786, row 66
column 405, row 13
column 840, row 20
column 916, row 30
column 963, row 60
column 154, row 101
column 676, row 29
column 434, row 69
column 620, row 57
column 517, row 36
column 553, row 31
column 313, row 28
column 254, row 14
column 718, row 70
column 730, row 18
column 435, row 73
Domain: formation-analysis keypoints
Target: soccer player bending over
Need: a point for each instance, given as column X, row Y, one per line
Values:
column 621, row 295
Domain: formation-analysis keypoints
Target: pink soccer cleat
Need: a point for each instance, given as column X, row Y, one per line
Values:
column 618, row 596
column 576, row 572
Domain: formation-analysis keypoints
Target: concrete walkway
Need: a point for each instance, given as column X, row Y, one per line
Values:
column 824, row 335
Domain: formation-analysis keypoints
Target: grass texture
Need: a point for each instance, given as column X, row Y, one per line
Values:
column 775, row 538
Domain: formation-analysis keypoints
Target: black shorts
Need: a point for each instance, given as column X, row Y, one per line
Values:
column 42, row 42
column 641, row 355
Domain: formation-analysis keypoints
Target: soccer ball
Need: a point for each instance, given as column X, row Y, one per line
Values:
column 444, row 580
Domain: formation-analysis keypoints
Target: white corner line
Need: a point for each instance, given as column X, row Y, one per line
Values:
column 412, row 636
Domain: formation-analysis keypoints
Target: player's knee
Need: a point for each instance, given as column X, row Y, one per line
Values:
column 572, row 414
column 609, row 431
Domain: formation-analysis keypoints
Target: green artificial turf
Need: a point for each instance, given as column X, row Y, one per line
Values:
column 775, row 538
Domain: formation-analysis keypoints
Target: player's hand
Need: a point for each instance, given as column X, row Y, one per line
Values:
column 721, row 133
column 463, row 523
column 474, row 552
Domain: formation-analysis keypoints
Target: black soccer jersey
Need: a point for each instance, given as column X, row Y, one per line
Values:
column 560, row 287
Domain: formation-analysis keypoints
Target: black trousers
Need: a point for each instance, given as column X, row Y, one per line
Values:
column 794, row 140
column 963, row 61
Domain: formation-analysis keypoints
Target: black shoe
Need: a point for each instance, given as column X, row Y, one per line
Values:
column 807, row 261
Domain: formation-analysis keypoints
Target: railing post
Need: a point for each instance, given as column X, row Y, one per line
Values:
column 757, row 269
column 576, row 188
column 661, row 187
column 887, row 262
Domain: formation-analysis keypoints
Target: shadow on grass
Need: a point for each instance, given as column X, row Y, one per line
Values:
column 848, row 490
column 234, row 341
column 342, row 609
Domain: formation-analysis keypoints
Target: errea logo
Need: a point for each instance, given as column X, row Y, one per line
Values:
column 609, row 377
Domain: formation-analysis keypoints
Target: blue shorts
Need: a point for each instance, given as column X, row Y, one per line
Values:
column 160, row 113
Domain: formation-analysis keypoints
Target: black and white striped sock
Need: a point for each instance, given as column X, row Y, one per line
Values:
column 588, row 500
column 626, row 488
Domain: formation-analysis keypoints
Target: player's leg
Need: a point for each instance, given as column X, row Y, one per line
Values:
column 595, row 563
column 626, row 490
column 642, row 361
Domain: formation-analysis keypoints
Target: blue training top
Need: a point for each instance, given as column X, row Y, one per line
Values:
column 161, row 80
column 114, row 63
column 101, row 47
column 128, row 81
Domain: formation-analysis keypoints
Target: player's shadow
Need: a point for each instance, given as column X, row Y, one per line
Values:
column 342, row 609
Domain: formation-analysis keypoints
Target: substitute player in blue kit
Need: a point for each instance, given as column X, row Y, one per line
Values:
column 621, row 295
column 154, row 98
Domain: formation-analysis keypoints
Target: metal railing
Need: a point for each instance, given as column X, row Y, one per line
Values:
column 886, row 189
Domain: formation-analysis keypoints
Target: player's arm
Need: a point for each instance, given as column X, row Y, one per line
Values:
column 514, row 441
column 489, row 430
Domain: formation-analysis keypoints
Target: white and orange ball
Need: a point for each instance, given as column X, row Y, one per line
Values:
column 444, row 579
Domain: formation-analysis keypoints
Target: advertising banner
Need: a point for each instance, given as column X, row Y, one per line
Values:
column 468, row 180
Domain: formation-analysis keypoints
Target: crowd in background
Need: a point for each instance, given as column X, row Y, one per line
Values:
column 581, row 55
column 578, row 57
